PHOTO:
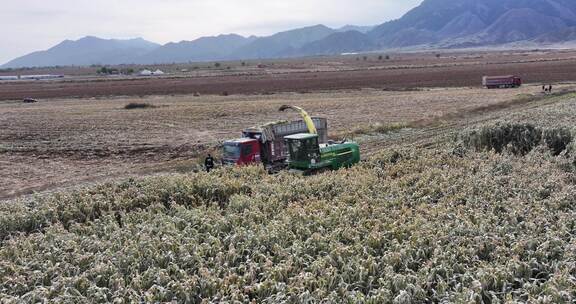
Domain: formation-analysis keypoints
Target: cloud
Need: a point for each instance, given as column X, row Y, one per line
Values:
column 31, row 25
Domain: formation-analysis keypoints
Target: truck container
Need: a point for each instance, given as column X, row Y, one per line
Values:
column 266, row 144
column 500, row 82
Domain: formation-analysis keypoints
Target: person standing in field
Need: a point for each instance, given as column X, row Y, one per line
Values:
column 209, row 163
column 550, row 89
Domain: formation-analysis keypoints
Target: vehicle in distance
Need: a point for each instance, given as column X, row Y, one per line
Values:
column 501, row 82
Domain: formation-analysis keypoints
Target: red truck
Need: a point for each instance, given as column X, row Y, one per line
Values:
column 500, row 82
column 266, row 145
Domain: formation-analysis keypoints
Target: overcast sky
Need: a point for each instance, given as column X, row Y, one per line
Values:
column 31, row 25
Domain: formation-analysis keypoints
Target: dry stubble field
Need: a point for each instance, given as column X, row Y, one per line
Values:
column 64, row 142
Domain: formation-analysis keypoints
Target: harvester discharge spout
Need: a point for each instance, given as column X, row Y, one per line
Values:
column 307, row 119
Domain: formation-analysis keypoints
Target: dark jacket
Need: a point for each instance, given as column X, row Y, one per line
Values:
column 209, row 162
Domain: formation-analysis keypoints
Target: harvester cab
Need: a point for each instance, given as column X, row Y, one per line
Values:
column 306, row 156
column 242, row 151
column 303, row 149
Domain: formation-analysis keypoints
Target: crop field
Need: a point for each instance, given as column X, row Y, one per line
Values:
column 64, row 142
column 460, row 222
column 464, row 195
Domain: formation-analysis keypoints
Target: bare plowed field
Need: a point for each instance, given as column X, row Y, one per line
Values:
column 425, row 74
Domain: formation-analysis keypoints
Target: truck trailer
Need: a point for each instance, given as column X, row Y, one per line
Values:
column 266, row 144
column 501, row 82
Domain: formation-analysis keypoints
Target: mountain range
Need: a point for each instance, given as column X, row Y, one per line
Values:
column 432, row 24
column 86, row 51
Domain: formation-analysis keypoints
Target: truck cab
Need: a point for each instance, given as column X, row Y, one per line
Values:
column 242, row 151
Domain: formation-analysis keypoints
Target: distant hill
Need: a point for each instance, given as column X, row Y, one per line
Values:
column 202, row 49
column 566, row 34
column 86, row 51
column 361, row 29
column 282, row 44
column 521, row 24
column 461, row 23
column 338, row 43
column 432, row 24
